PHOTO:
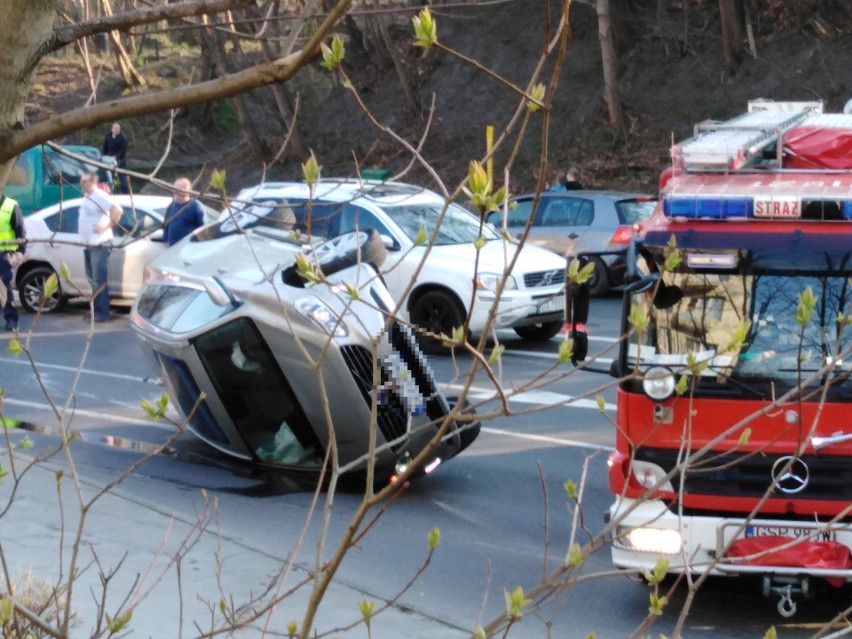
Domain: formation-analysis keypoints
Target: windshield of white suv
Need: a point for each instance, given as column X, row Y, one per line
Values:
column 458, row 226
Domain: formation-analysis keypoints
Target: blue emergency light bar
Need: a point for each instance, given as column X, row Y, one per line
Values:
column 722, row 208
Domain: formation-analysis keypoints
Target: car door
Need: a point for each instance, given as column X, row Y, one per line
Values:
column 562, row 222
column 65, row 249
column 138, row 240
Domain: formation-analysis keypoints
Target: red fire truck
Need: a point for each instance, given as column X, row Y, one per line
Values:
column 734, row 413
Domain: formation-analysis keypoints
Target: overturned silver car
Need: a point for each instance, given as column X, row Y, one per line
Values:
column 274, row 365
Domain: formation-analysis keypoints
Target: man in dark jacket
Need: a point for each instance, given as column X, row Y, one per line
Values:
column 115, row 145
column 184, row 214
column 12, row 235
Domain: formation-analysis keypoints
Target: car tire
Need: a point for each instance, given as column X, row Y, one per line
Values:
column 599, row 281
column 31, row 291
column 345, row 250
column 539, row 332
column 437, row 312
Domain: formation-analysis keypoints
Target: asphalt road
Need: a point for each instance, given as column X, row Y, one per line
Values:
column 501, row 506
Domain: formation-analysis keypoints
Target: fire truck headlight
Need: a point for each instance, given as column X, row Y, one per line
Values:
column 658, row 383
column 660, row 541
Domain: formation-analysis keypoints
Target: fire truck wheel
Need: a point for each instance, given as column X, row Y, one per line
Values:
column 599, row 282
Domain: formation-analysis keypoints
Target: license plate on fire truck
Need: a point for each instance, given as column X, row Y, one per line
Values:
column 796, row 532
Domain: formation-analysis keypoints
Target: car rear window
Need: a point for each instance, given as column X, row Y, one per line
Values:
column 635, row 210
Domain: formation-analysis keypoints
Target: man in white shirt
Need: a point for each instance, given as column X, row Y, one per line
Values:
column 98, row 214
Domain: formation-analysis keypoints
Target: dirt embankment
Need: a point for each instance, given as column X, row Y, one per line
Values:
column 670, row 77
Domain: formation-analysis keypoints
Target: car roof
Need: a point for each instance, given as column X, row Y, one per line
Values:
column 342, row 190
column 142, row 201
column 612, row 195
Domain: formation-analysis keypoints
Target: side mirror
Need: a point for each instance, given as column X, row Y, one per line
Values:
column 390, row 243
column 157, row 236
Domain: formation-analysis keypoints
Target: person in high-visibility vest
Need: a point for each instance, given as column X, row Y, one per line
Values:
column 12, row 233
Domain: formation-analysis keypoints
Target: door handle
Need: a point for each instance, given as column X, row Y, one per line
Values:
column 573, row 236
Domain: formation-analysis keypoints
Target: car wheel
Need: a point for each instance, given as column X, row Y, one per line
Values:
column 345, row 250
column 539, row 332
column 436, row 312
column 599, row 281
column 31, row 291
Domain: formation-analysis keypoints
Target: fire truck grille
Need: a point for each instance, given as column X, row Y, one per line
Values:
column 825, row 478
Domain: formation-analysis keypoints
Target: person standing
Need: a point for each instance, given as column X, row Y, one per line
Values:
column 115, row 145
column 183, row 215
column 12, row 234
column 98, row 214
column 568, row 181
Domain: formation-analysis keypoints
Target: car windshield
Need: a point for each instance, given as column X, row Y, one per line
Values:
column 696, row 316
column 458, row 226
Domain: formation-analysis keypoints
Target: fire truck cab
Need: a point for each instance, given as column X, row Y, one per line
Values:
column 734, row 412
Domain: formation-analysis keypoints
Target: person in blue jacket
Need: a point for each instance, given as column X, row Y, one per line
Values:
column 183, row 215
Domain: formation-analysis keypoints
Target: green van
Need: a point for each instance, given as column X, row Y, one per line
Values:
column 42, row 177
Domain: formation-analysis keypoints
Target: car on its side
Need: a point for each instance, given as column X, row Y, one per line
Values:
column 54, row 247
column 597, row 225
column 433, row 270
column 273, row 367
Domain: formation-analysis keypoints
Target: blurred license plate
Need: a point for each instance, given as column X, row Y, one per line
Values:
column 796, row 532
column 553, row 305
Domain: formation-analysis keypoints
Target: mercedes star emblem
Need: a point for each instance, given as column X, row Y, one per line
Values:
column 790, row 474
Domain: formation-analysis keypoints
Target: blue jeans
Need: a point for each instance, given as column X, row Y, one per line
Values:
column 97, row 272
column 10, row 313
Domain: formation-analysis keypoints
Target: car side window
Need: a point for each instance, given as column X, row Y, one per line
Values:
column 586, row 214
column 20, row 173
column 517, row 217
column 559, row 212
column 354, row 217
column 135, row 223
column 63, row 221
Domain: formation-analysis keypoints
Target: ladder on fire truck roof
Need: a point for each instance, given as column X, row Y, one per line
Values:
column 730, row 145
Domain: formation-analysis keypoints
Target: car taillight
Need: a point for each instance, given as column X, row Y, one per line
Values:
column 622, row 235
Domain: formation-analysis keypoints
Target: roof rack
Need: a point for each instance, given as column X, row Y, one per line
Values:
column 730, row 145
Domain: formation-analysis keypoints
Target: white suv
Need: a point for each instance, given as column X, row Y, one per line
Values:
column 450, row 285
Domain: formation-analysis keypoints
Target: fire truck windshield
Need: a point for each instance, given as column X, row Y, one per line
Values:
column 695, row 317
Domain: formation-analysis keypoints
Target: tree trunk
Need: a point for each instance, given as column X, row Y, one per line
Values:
column 128, row 72
column 731, row 34
column 610, row 62
column 217, row 47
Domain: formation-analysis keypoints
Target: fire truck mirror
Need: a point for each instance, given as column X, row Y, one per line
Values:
column 577, row 303
column 581, row 347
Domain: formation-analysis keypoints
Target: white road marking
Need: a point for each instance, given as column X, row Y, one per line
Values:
column 86, row 413
column 532, row 397
column 544, row 438
column 74, row 369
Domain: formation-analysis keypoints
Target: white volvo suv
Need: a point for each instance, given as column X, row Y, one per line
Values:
column 437, row 287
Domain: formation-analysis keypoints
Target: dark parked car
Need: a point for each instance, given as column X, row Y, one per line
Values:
column 596, row 224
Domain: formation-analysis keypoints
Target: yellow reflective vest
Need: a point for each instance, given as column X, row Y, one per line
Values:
column 7, row 232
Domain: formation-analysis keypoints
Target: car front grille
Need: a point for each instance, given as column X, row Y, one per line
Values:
column 544, row 278
column 390, row 413
column 829, row 478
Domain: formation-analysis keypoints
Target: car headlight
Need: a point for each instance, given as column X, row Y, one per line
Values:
column 489, row 281
column 321, row 315
column 658, row 383
column 660, row 541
